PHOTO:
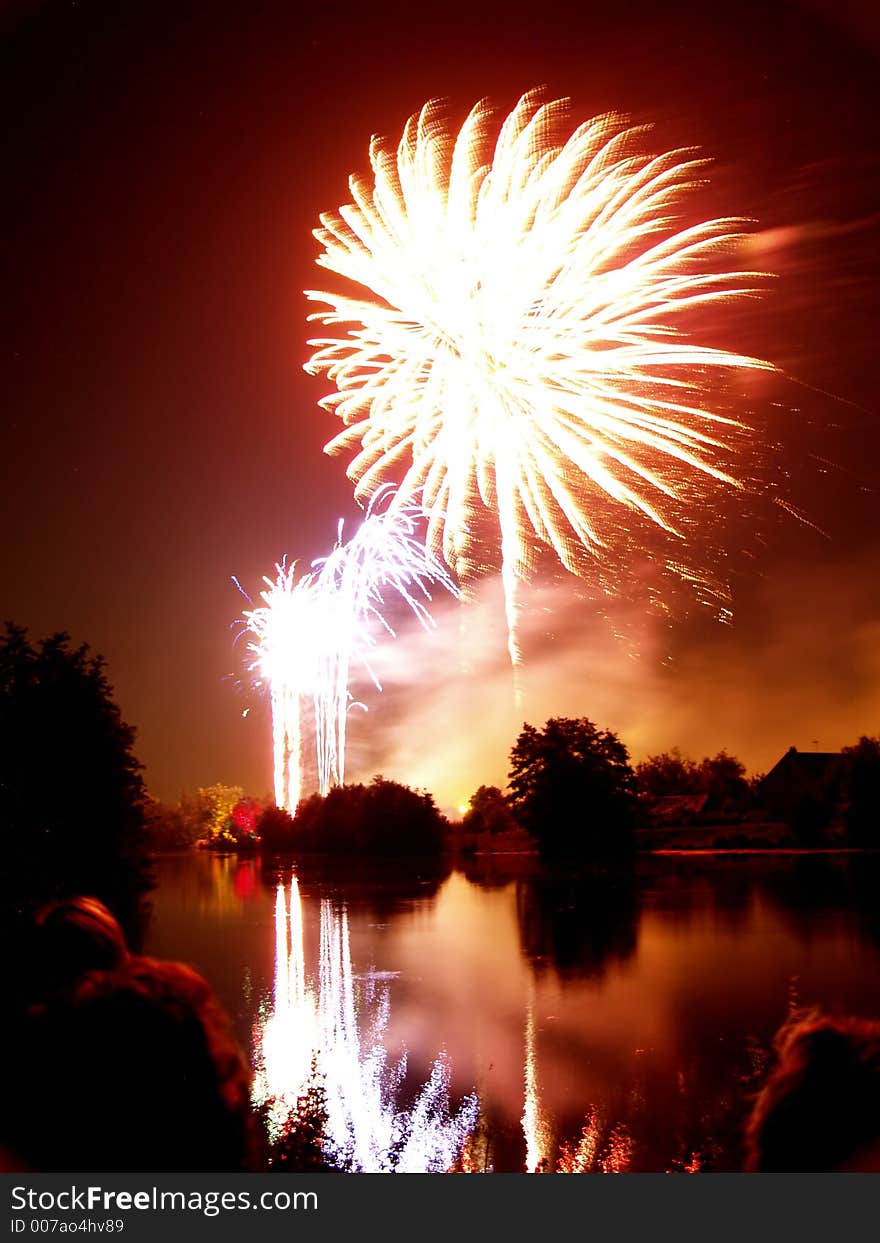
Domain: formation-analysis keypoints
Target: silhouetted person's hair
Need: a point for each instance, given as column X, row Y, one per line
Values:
column 820, row 1107
column 71, row 938
column 134, row 1069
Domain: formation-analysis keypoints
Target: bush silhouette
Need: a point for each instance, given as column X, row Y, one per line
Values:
column 384, row 818
column 275, row 830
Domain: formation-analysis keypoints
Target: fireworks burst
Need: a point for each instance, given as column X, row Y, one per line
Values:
column 383, row 558
column 310, row 633
column 515, row 344
column 286, row 636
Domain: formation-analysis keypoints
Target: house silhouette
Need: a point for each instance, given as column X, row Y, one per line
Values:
column 801, row 778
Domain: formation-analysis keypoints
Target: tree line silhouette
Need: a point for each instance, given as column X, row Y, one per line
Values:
column 75, row 814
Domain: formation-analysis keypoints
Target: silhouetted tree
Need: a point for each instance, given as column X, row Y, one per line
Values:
column 723, row 778
column 861, row 790
column 275, row 830
column 384, row 818
column 489, row 812
column 71, row 792
column 572, row 787
column 166, row 827
column 668, row 773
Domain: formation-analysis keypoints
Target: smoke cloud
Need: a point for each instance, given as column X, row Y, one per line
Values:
column 798, row 665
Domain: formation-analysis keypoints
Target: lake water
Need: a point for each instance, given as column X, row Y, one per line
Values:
column 507, row 1018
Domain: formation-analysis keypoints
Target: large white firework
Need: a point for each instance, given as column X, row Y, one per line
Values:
column 516, row 338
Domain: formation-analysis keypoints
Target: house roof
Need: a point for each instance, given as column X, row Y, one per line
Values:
column 809, row 763
column 671, row 808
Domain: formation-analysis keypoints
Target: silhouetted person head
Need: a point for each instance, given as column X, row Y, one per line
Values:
column 820, row 1107
column 71, row 938
column 134, row 1069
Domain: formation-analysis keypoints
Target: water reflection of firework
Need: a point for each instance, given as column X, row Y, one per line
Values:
column 533, row 1122
column 341, row 1020
column 597, row 1150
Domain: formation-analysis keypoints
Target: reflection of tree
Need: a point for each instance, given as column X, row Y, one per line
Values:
column 684, row 886
column 803, row 886
column 382, row 886
column 864, row 871
column 491, row 871
column 798, row 885
column 846, row 884
column 578, row 922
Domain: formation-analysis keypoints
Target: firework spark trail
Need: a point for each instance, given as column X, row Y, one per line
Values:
column 309, row 634
column 383, row 558
column 513, row 343
column 286, row 629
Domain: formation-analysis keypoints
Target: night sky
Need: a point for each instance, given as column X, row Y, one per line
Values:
column 163, row 167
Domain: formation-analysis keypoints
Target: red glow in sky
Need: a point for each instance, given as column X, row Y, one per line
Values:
column 164, row 167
